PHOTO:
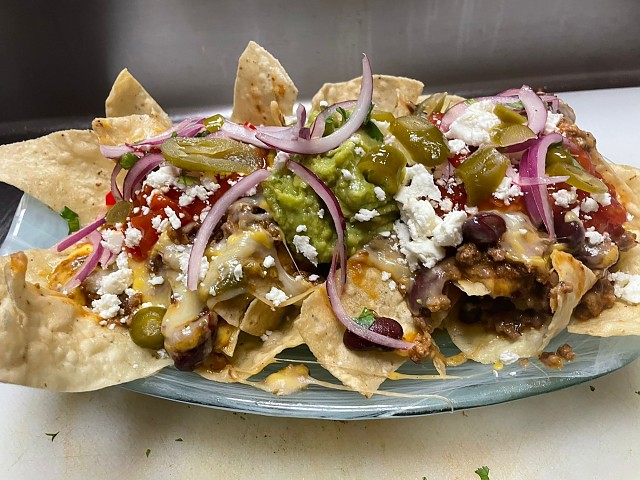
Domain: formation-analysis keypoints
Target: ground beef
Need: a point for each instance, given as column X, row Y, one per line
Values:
column 566, row 352
column 599, row 298
column 583, row 139
column 625, row 241
column 556, row 359
column 528, row 303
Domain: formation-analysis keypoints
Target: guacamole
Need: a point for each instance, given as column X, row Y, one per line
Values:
column 294, row 204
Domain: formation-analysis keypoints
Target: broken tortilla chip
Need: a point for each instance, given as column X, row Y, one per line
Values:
column 62, row 169
column 51, row 342
column 261, row 80
column 128, row 97
column 390, row 94
column 129, row 129
column 486, row 347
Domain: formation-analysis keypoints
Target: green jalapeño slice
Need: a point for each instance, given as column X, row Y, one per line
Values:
column 481, row 173
column 422, row 139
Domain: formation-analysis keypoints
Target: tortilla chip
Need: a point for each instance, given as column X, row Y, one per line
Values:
column 233, row 310
column 322, row 332
column 129, row 129
column 261, row 317
column 253, row 354
column 261, row 80
column 621, row 319
column 390, row 94
column 60, row 169
column 128, row 97
column 485, row 347
column 51, row 342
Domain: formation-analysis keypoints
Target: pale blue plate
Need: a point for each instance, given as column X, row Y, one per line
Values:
column 35, row 226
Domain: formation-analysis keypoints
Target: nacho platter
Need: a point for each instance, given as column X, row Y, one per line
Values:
column 440, row 395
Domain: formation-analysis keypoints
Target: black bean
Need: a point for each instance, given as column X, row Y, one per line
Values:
column 484, row 229
column 570, row 233
column 382, row 325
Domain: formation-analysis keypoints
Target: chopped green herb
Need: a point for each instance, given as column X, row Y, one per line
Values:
column 483, row 473
column 592, row 388
column 52, row 435
column 179, row 439
column 373, row 131
column 72, row 219
column 128, row 160
column 187, row 180
column 174, row 134
column 343, row 113
column 366, row 318
column 148, row 452
column 368, row 118
column 203, row 133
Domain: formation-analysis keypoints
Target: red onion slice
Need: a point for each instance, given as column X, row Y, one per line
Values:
column 114, row 151
column 315, row 146
column 330, row 200
column 138, row 173
column 349, row 323
column 247, row 134
column 532, row 165
column 89, row 264
column 75, row 237
column 244, row 185
column 115, row 190
column 318, row 126
column 536, row 111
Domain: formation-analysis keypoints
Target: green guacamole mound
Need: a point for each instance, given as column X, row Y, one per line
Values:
column 293, row 202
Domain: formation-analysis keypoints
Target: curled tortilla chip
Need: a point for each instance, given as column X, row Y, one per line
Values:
column 60, row 169
column 51, row 342
column 128, row 97
column 260, row 318
column 253, row 354
column 129, row 129
column 485, row 347
column 365, row 371
column 390, row 94
column 261, row 80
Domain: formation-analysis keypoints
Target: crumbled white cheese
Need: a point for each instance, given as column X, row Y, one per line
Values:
column 313, row 277
column 446, row 205
column 392, row 285
column 301, row 242
column 192, row 192
column 136, row 210
column 603, row 199
column 347, row 174
column 594, row 237
column 551, row 124
column 163, row 178
column 507, row 191
column 145, row 210
column 112, row 240
column 160, row 224
column 119, row 280
column 156, row 280
column 301, row 228
column 589, row 205
column 359, row 151
column 385, row 234
column 380, row 195
column 321, row 213
column 564, row 198
column 457, row 147
column 132, row 237
column 173, row 218
column 626, row 286
column 237, row 272
column 475, row 124
column 107, row 306
column 421, row 232
column 365, row 215
column 385, row 276
column 323, row 104
column 276, row 296
column 268, row 262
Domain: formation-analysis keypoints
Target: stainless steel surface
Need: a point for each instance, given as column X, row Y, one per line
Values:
column 59, row 58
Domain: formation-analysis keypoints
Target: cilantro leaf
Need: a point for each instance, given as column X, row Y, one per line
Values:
column 148, row 452
column 343, row 113
column 128, row 160
column 72, row 219
column 373, row 131
column 366, row 318
column 52, row 435
column 483, row 473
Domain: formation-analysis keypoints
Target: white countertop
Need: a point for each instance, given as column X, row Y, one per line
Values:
column 587, row 431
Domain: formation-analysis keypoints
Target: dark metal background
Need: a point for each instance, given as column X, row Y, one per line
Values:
column 58, row 59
